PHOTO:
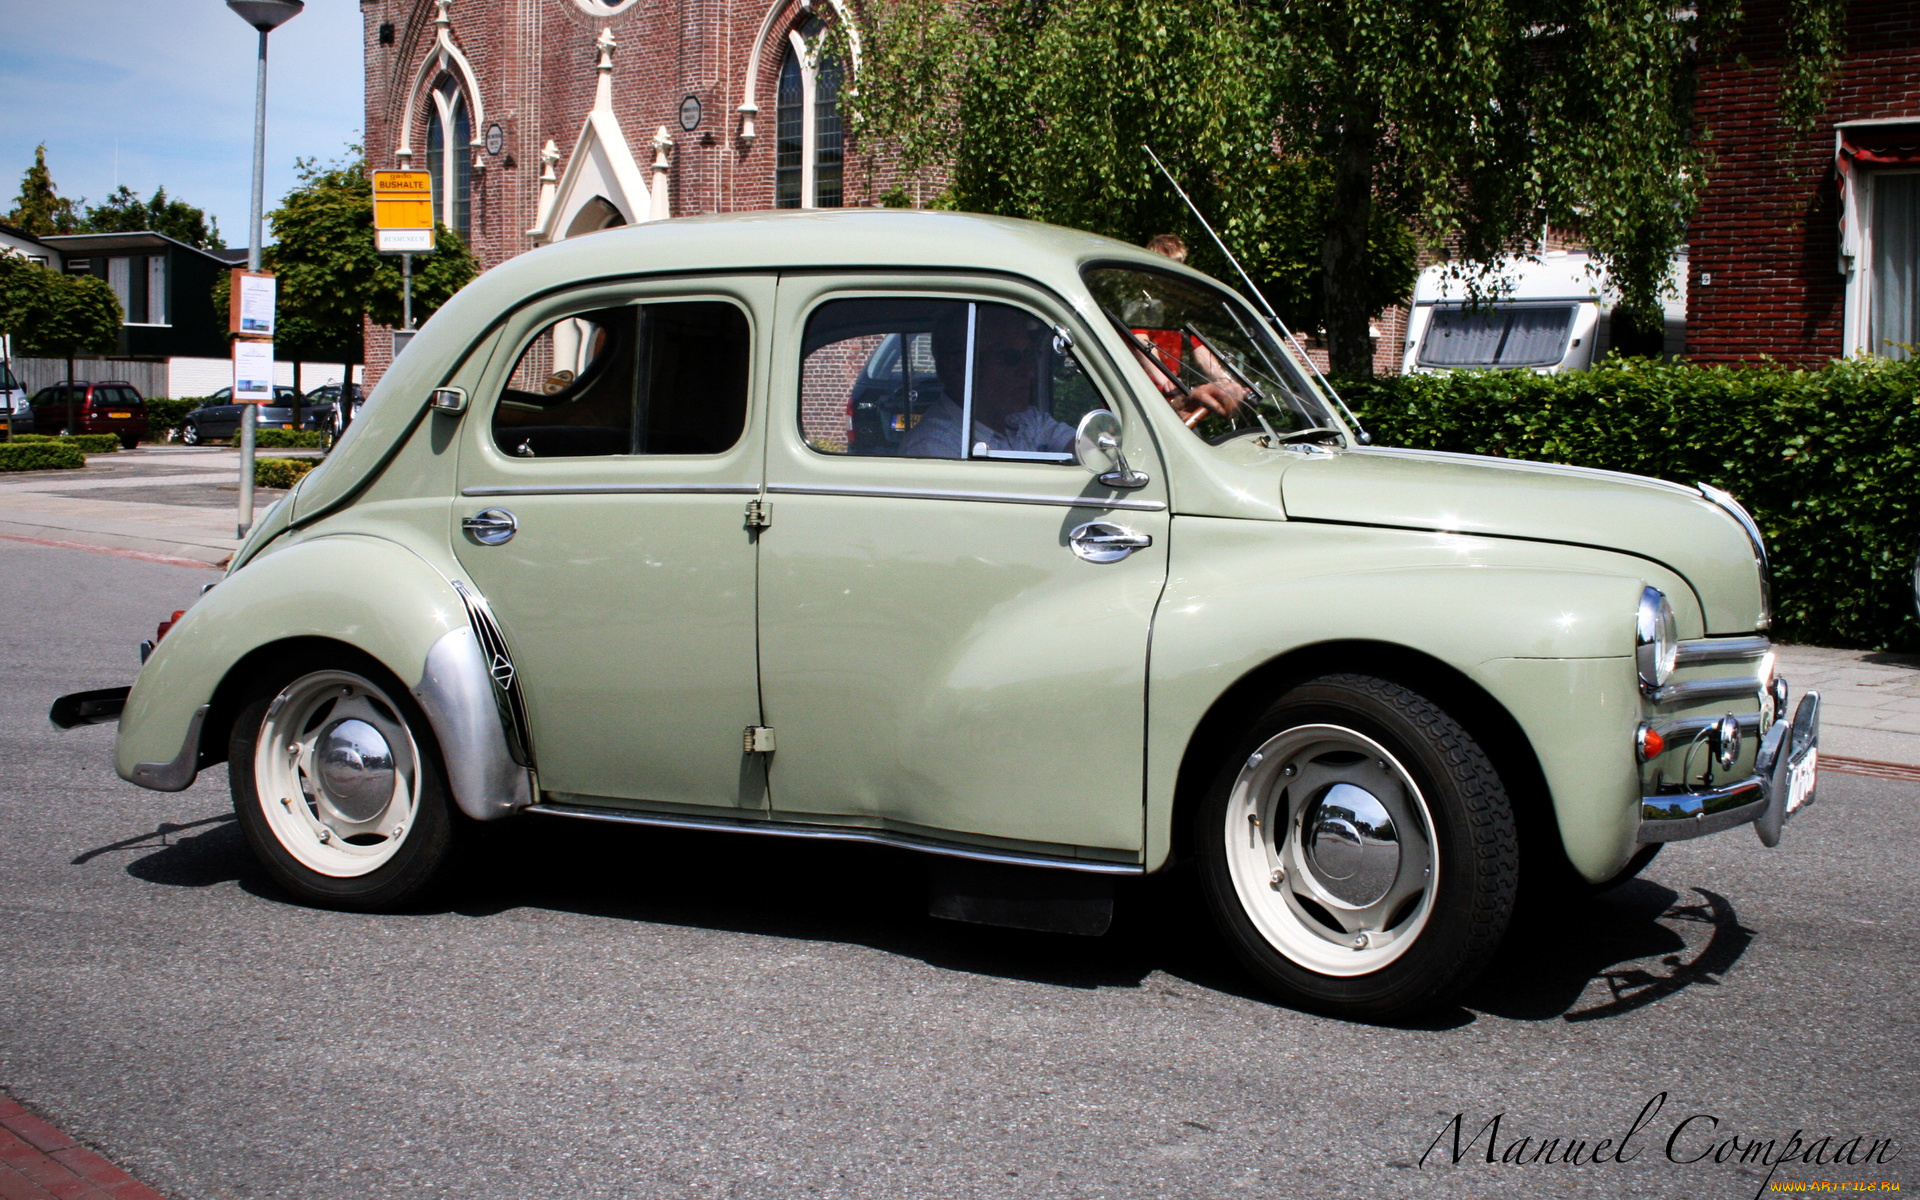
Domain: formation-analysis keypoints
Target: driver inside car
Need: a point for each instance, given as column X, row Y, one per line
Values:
column 1006, row 374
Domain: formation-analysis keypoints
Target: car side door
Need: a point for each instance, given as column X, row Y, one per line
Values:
column 948, row 647
column 605, row 475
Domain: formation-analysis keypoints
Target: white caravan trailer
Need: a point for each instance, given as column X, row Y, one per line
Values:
column 1552, row 315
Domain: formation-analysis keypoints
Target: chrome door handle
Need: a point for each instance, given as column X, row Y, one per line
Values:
column 490, row 527
column 1105, row 542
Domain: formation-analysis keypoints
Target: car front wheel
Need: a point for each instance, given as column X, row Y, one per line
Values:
column 190, row 434
column 337, row 782
column 1358, row 850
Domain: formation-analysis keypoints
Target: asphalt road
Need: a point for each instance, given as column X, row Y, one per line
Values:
column 641, row 1014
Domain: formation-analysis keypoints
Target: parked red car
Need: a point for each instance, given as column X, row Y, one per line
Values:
column 110, row 406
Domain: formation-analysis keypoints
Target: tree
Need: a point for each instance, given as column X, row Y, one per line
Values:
column 125, row 212
column 67, row 316
column 21, row 282
column 331, row 279
column 39, row 208
column 1332, row 141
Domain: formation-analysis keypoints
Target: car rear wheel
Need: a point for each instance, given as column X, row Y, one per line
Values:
column 128, row 441
column 337, row 782
column 1358, row 850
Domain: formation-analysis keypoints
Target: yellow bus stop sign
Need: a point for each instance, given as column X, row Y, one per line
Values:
column 402, row 200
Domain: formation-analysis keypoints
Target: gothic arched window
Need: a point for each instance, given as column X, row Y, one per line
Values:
column 449, row 155
column 809, row 142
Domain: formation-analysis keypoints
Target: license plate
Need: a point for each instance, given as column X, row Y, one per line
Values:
column 119, row 416
column 1801, row 778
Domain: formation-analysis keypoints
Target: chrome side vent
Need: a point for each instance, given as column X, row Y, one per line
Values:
column 506, row 681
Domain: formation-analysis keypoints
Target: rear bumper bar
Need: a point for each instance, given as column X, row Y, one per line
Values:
column 88, row 708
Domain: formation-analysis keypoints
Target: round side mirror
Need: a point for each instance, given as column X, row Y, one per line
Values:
column 1096, row 446
column 1096, row 443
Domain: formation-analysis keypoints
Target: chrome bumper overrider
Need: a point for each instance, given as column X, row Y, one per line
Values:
column 1782, row 783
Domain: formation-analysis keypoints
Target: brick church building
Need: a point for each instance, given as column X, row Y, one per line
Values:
column 540, row 120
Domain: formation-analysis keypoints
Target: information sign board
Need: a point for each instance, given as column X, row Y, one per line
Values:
column 250, row 303
column 252, row 372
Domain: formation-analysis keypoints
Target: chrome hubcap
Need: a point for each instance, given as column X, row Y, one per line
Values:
column 356, row 770
column 1330, row 846
column 1352, row 847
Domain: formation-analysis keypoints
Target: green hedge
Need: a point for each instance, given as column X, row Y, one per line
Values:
column 281, row 472
column 86, row 443
column 1827, row 460
column 290, row 439
column 164, row 414
column 49, row 455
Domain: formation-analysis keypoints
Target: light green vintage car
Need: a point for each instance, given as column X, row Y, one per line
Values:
column 1016, row 546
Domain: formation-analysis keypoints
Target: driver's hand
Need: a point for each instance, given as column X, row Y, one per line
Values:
column 1220, row 398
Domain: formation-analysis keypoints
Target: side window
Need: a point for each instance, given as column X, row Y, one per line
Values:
column 633, row 379
column 911, row 378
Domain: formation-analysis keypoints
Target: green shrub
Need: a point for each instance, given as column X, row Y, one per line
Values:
column 290, row 439
column 48, row 455
column 1827, row 460
column 164, row 414
column 281, row 472
column 86, row 443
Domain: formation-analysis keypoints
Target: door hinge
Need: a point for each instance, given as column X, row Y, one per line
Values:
column 759, row 514
column 758, row 739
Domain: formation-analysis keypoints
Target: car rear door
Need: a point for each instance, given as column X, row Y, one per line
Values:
column 607, row 467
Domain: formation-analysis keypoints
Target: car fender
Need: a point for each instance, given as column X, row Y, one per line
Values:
column 367, row 593
column 1545, row 631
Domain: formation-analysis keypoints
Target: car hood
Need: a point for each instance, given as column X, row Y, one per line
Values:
column 1662, row 522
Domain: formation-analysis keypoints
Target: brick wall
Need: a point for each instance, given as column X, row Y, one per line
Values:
column 1765, row 245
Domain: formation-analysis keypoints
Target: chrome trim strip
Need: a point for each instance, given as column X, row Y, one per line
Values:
column 462, row 704
column 617, row 489
column 1699, row 691
column 1722, row 650
column 835, row 833
column 797, row 489
column 178, row 775
column 1678, row 733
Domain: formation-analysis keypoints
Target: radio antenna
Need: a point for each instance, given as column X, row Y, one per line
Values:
column 1359, row 430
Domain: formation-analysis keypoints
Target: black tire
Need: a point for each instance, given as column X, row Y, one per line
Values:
column 1429, row 940
column 128, row 441
column 418, row 861
column 189, row 434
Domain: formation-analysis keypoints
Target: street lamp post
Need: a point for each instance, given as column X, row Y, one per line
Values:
column 265, row 16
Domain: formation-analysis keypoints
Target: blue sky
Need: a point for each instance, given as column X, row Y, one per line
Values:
column 160, row 92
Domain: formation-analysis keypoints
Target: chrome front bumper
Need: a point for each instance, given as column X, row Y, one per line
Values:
column 1782, row 783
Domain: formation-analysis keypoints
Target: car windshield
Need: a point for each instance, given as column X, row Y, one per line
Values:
column 7, row 382
column 1212, row 358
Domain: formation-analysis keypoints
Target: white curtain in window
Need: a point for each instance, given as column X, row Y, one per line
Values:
column 157, row 289
column 1500, row 337
column 1893, row 313
column 120, row 279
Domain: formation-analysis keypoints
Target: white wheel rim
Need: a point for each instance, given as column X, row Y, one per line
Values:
column 1311, row 893
column 336, row 810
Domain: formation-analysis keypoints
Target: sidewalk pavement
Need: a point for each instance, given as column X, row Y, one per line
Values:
column 179, row 504
column 38, row 1162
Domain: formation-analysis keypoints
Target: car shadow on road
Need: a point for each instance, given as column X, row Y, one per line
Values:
column 1594, row 958
column 1612, row 954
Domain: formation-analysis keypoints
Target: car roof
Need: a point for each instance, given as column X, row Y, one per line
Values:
column 850, row 240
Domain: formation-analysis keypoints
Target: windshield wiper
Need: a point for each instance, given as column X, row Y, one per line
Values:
column 1307, row 435
column 1252, row 389
column 1147, row 351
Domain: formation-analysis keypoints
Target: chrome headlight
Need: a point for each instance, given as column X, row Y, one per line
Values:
column 1656, row 639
